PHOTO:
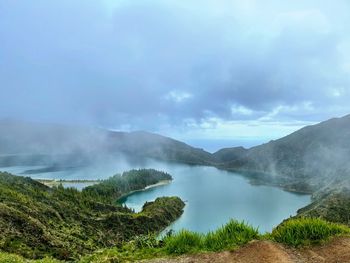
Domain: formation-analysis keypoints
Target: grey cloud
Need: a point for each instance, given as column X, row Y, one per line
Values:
column 87, row 62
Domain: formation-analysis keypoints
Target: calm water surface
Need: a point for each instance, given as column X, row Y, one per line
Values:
column 212, row 196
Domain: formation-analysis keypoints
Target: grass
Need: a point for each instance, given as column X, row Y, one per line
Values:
column 307, row 231
column 124, row 254
column 184, row 242
column 229, row 236
column 12, row 258
column 293, row 232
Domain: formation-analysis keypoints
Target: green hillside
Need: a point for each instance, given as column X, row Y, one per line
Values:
column 306, row 160
column 38, row 221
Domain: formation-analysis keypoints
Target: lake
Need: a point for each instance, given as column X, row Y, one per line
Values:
column 212, row 196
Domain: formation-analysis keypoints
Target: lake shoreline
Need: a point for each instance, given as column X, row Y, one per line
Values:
column 265, row 180
column 122, row 198
column 213, row 193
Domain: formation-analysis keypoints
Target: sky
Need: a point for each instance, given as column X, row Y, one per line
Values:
column 194, row 70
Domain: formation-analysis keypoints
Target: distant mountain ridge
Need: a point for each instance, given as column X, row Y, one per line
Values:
column 46, row 144
column 314, row 156
column 307, row 160
column 314, row 159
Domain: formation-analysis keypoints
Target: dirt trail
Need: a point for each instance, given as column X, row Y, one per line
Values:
column 336, row 251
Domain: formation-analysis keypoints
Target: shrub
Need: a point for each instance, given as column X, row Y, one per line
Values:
column 306, row 231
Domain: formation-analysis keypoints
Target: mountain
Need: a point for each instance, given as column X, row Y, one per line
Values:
column 229, row 154
column 25, row 143
column 314, row 159
column 309, row 159
column 331, row 205
column 150, row 145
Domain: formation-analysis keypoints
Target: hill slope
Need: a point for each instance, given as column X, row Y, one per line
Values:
column 37, row 221
column 308, row 159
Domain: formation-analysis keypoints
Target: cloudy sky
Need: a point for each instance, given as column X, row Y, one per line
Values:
column 194, row 69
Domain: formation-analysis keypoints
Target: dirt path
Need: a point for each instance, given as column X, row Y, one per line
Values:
column 336, row 251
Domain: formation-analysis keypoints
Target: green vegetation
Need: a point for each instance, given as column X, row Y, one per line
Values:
column 306, row 231
column 184, row 242
column 129, row 252
column 293, row 232
column 232, row 235
column 118, row 185
column 13, row 258
column 37, row 221
column 333, row 206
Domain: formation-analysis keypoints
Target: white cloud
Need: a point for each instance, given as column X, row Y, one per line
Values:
column 216, row 128
column 241, row 110
column 178, row 96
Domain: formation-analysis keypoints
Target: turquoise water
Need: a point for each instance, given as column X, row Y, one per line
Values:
column 212, row 196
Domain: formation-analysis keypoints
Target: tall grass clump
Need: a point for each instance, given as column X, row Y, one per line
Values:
column 183, row 242
column 231, row 235
column 306, row 231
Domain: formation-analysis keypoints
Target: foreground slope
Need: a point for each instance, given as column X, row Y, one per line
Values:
column 337, row 250
column 38, row 221
column 295, row 240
